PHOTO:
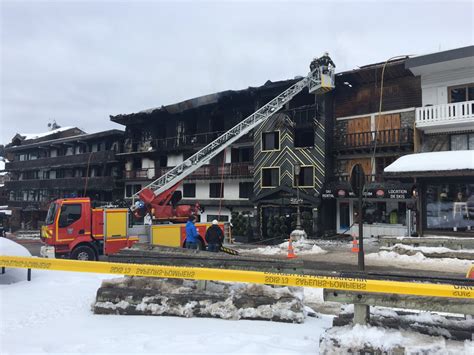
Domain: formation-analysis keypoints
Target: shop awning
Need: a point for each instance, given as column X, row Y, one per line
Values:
column 337, row 189
column 385, row 189
column 447, row 163
column 389, row 189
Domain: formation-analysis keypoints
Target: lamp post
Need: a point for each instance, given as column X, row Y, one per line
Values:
column 298, row 212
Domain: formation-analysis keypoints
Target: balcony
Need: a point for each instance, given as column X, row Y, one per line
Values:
column 62, row 161
column 445, row 118
column 384, row 140
column 207, row 172
column 100, row 183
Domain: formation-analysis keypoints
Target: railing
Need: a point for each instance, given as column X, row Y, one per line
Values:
column 186, row 140
column 204, row 172
column 100, row 182
column 383, row 138
column 443, row 114
column 101, row 157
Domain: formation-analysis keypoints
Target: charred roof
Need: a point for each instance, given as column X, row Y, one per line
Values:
column 201, row 101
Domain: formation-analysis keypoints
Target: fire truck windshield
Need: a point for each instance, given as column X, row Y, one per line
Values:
column 51, row 213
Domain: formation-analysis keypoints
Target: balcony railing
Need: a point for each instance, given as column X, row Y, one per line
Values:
column 232, row 170
column 101, row 157
column 453, row 115
column 100, row 182
column 395, row 138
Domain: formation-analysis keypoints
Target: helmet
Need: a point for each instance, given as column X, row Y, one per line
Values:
column 214, row 221
column 326, row 54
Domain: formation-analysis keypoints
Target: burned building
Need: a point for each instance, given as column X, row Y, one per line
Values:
column 65, row 162
column 374, row 116
column 158, row 139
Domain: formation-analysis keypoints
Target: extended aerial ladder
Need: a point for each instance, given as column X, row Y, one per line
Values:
column 319, row 81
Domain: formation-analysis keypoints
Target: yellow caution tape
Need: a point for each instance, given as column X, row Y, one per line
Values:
column 178, row 272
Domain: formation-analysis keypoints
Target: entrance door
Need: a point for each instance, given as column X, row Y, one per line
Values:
column 344, row 216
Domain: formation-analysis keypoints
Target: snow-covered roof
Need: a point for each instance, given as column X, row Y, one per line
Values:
column 27, row 136
column 434, row 161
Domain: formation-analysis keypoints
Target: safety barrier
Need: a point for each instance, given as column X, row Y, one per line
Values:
column 335, row 283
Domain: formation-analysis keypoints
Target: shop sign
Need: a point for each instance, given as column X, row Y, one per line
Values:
column 341, row 193
column 398, row 193
column 328, row 193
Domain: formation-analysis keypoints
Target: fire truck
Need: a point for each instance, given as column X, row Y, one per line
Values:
column 76, row 230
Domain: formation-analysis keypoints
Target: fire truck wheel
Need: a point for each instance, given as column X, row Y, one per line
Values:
column 83, row 252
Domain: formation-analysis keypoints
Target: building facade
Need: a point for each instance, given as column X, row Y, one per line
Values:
column 444, row 139
column 373, row 126
column 43, row 169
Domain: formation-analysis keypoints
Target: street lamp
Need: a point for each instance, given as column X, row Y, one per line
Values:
column 298, row 213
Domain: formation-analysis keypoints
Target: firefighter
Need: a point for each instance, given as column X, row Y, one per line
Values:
column 214, row 237
column 191, row 234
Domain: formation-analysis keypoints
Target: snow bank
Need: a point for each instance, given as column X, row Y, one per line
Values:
column 302, row 246
column 8, row 247
column 419, row 261
column 351, row 339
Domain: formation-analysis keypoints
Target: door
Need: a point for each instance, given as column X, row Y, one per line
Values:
column 70, row 224
column 344, row 216
column 388, row 128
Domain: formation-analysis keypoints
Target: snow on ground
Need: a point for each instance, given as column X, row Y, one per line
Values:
column 415, row 261
column 57, row 305
column 8, row 247
column 302, row 246
column 360, row 336
column 431, row 250
column 52, row 314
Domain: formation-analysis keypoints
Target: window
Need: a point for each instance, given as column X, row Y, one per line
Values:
column 270, row 177
column 462, row 141
column 131, row 190
column 216, row 190
column 245, row 189
column 242, row 155
column 70, row 213
column 306, row 177
column 461, row 93
column 189, row 190
column 270, row 141
column 304, row 137
column 222, row 218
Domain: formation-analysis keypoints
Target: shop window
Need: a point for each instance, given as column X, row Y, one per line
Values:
column 462, row 141
column 270, row 177
column 461, row 93
column 306, row 177
column 388, row 212
column 304, row 137
column 216, row 190
column 270, row 141
column 189, row 190
column 245, row 189
column 222, row 218
column 450, row 206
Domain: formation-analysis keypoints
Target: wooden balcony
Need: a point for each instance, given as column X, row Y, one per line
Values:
column 102, row 157
column 445, row 118
column 392, row 139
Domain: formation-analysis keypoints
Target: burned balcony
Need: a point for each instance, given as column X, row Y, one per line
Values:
column 102, row 183
column 206, row 172
column 101, row 157
column 384, row 140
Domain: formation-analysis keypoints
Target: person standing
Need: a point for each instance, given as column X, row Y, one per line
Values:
column 214, row 237
column 191, row 234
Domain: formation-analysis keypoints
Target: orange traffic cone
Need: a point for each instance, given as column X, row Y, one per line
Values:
column 355, row 244
column 291, row 252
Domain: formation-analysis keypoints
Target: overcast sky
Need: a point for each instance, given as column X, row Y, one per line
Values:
column 78, row 62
